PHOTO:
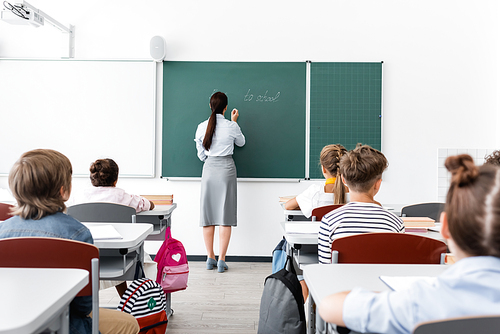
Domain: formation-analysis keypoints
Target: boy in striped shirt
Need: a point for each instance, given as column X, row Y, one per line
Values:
column 361, row 171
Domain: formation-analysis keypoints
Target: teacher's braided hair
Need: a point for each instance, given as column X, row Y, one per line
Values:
column 473, row 206
column 218, row 102
column 329, row 158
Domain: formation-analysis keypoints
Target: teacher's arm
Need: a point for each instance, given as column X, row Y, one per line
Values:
column 239, row 138
column 198, row 139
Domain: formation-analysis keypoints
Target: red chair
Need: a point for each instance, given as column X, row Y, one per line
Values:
column 319, row 212
column 388, row 248
column 5, row 210
column 38, row 252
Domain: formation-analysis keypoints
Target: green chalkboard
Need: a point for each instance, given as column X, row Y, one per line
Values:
column 346, row 107
column 270, row 97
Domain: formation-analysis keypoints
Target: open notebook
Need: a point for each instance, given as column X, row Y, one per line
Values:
column 104, row 232
column 398, row 283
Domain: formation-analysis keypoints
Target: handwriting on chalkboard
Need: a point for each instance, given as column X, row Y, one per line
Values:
column 261, row 98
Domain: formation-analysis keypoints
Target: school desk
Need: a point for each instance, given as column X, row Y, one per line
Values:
column 118, row 256
column 160, row 217
column 35, row 298
column 303, row 237
column 296, row 215
column 326, row 279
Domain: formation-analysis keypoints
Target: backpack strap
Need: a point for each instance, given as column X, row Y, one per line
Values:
column 168, row 233
column 126, row 302
column 139, row 271
column 289, row 261
column 145, row 329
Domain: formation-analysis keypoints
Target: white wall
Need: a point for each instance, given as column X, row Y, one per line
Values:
column 440, row 79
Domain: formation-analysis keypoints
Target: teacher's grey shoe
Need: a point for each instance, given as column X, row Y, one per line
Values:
column 221, row 266
column 211, row 263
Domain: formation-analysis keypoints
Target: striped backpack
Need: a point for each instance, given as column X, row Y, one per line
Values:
column 145, row 300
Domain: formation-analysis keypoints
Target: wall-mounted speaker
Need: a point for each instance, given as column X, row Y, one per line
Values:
column 158, row 48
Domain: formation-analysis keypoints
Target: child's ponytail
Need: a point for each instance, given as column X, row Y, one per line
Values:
column 330, row 159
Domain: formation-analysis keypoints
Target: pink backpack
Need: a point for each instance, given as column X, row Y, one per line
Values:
column 173, row 269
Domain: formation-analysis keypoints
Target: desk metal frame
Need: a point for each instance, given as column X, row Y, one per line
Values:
column 160, row 217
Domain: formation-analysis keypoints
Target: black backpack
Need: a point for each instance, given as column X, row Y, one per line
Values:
column 282, row 303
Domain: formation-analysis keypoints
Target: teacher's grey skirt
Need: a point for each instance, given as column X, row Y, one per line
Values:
column 218, row 192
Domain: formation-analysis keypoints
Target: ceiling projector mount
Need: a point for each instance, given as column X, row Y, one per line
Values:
column 25, row 14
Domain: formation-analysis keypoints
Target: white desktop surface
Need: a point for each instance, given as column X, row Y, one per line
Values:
column 311, row 229
column 319, row 277
column 159, row 210
column 30, row 297
column 133, row 235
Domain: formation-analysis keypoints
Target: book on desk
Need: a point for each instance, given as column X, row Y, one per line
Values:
column 418, row 224
column 160, row 199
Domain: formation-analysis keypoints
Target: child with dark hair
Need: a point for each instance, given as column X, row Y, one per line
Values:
column 471, row 225
column 104, row 176
column 361, row 170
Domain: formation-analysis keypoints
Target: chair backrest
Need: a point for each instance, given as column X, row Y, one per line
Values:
column 319, row 212
column 388, row 248
column 102, row 212
column 431, row 210
column 463, row 325
column 40, row 252
column 5, row 211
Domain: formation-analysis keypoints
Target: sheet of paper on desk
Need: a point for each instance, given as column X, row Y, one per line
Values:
column 304, row 228
column 104, row 232
column 398, row 283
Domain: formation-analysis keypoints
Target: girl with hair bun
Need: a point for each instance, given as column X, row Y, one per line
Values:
column 471, row 225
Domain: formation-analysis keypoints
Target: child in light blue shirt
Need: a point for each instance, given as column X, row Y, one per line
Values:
column 471, row 225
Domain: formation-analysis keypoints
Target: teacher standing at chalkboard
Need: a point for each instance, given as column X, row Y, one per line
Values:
column 215, row 139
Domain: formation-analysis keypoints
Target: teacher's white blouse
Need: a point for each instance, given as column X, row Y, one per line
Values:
column 227, row 133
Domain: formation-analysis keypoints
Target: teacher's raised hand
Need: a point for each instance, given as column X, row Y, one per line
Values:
column 234, row 115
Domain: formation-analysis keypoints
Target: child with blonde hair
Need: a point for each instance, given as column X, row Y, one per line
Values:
column 332, row 192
